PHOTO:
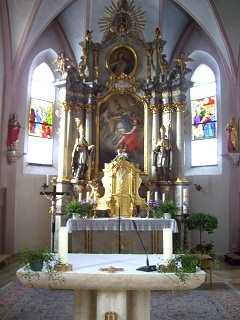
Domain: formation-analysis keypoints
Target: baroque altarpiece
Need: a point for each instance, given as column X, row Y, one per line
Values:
column 128, row 104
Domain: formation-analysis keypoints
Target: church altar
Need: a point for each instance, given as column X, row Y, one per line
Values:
column 126, row 224
column 126, row 292
column 105, row 224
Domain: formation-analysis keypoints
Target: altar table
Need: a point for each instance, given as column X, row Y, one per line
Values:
column 126, row 224
column 126, row 292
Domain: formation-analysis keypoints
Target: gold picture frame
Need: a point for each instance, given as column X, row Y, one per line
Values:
column 117, row 114
column 122, row 59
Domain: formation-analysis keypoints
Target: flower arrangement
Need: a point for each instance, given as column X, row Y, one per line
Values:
column 159, row 207
column 86, row 207
column 155, row 206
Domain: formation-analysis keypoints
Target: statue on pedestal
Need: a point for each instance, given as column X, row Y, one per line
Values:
column 232, row 135
column 13, row 132
column 80, row 155
column 162, row 155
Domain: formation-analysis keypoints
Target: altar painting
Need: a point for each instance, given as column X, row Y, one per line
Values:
column 121, row 124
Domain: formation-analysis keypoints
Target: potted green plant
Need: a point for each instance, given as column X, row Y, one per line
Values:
column 35, row 260
column 168, row 209
column 83, row 208
column 73, row 208
column 182, row 265
column 202, row 221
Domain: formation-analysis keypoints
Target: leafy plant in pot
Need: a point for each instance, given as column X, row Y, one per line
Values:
column 182, row 265
column 35, row 260
column 73, row 208
column 168, row 207
column 81, row 208
column 202, row 221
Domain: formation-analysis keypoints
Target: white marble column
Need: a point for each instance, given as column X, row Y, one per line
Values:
column 112, row 301
column 179, row 145
column 155, row 136
column 61, row 148
column 88, row 136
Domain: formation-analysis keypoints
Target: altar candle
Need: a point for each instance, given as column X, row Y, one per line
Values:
column 163, row 197
column 185, row 196
column 47, row 180
column 148, row 195
column 63, row 245
column 167, row 245
column 185, row 200
column 156, row 195
column 80, row 196
column 87, row 196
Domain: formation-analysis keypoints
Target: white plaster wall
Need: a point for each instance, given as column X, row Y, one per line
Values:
column 32, row 217
column 214, row 197
column 1, row 71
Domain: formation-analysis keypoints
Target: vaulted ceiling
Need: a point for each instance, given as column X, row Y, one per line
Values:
column 25, row 21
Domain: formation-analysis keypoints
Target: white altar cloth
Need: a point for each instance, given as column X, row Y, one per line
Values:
column 126, row 292
column 107, row 224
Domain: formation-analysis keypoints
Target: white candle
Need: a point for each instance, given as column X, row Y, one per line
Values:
column 80, row 196
column 47, row 180
column 167, row 245
column 87, row 196
column 148, row 195
column 156, row 195
column 63, row 245
column 185, row 196
column 163, row 197
column 185, row 200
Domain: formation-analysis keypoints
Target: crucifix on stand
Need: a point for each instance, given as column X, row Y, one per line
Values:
column 54, row 196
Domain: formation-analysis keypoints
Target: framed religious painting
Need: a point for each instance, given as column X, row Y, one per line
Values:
column 122, row 59
column 121, row 123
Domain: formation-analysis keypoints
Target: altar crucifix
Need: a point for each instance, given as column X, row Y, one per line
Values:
column 54, row 196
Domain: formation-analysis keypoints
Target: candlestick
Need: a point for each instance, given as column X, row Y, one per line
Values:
column 167, row 245
column 63, row 245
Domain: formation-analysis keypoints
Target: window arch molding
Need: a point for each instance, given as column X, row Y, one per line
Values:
column 204, row 58
column 47, row 57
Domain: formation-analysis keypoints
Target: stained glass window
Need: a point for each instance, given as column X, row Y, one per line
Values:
column 204, row 117
column 40, row 131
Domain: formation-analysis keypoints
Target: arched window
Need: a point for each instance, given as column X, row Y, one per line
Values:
column 40, row 138
column 204, row 118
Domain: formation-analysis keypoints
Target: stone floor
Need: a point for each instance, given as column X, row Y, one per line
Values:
column 225, row 272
